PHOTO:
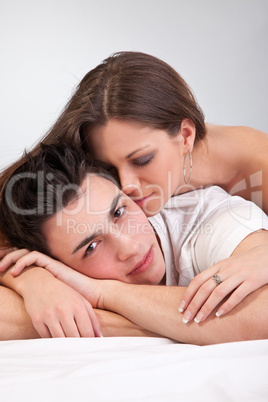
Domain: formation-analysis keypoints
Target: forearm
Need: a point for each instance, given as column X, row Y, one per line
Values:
column 7, row 280
column 156, row 309
column 15, row 323
column 113, row 324
column 24, row 282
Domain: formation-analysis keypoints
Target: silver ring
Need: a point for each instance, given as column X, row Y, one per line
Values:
column 217, row 279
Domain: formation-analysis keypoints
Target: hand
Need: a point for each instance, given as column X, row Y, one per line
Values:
column 5, row 250
column 56, row 310
column 11, row 256
column 241, row 274
column 87, row 287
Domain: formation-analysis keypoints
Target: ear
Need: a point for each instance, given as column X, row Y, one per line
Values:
column 187, row 132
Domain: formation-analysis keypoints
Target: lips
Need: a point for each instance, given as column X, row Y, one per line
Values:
column 141, row 201
column 144, row 264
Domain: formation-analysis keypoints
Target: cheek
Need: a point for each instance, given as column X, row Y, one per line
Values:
column 144, row 230
column 165, row 171
column 172, row 174
column 95, row 269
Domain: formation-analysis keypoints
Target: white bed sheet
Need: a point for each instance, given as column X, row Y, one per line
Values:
column 132, row 369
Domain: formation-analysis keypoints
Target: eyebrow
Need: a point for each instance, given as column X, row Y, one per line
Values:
column 88, row 239
column 136, row 150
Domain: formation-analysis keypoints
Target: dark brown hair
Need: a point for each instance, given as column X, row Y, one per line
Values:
column 40, row 187
column 130, row 86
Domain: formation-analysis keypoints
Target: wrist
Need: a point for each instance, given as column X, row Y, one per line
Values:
column 29, row 278
column 110, row 294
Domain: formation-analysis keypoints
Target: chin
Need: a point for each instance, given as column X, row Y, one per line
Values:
column 152, row 210
column 160, row 280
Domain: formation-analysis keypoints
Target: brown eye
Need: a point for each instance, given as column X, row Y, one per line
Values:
column 119, row 212
column 92, row 246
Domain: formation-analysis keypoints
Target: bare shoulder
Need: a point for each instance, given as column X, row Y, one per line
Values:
column 252, row 133
column 239, row 130
column 246, row 149
column 242, row 135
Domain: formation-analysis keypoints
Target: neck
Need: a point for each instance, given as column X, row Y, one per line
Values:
column 215, row 161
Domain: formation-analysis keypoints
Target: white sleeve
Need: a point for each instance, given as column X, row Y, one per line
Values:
column 224, row 229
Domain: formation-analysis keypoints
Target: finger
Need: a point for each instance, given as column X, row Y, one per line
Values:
column 94, row 320
column 56, row 330
column 40, row 260
column 42, row 329
column 195, row 285
column 29, row 259
column 48, row 327
column 68, row 326
column 217, row 296
column 87, row 322
column 84, row 324
column 60, row 321
column 236, row 297
column 198, row 300
column 6, row 250
column 12, row 258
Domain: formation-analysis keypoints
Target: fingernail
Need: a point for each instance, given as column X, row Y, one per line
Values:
column 182, row 305
column 186, row 317
column 199, row 317
column 219, row 313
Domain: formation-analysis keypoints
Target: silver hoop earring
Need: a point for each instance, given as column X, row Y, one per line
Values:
column 187, row 181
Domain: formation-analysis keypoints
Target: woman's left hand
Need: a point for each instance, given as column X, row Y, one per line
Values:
column 240, row 275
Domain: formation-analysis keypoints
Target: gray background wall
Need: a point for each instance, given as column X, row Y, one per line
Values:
column 47, row 46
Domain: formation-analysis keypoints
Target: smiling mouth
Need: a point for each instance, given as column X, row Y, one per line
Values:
column 144, row 264
column 141, row 201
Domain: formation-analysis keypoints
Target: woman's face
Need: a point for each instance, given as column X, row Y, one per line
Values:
column 105, row 235
column 149, row 162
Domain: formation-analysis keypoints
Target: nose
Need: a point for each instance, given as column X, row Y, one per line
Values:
column 127, row 247
column 130, row 183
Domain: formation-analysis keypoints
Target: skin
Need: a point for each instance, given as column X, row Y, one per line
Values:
column 114, row 230
column 149, row 163
column 115, row 246
column 160, row 316
column 127, row 146
column 15, row 323
column 234, row 168
column 142, row 150
column 117, row 231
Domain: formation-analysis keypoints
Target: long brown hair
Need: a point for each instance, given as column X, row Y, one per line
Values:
column 130, row 86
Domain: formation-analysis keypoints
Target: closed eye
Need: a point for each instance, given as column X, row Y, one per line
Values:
column 143, row 160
